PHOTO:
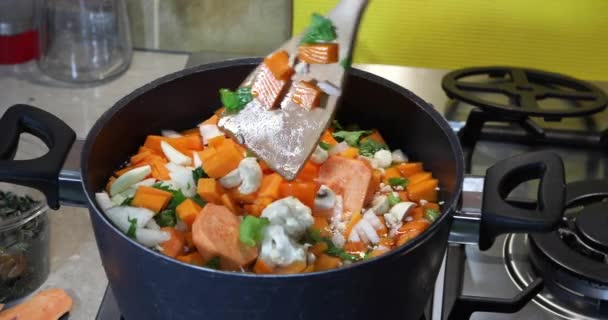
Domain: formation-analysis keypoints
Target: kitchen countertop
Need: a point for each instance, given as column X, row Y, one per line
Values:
column 75, row 262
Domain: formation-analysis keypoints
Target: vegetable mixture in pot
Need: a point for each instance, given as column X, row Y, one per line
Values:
column 199, row 197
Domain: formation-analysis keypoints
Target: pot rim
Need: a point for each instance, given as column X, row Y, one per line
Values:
column 447, row 210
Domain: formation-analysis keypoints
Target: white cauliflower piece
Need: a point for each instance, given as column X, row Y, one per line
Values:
column 380, row 204
column 384, row 158
column 278, row 249
column 290, row 214
column 232, row 179
column 399, row 156
column 251, row 174
column 319, row 155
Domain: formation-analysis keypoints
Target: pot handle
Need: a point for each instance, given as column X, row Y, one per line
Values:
column 500, row 216
column 41, row 173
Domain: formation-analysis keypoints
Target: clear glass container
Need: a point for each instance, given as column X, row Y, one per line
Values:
column 83, row 40
column 24, row 241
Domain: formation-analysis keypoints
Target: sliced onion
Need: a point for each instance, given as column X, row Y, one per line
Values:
column 367, row 232
column 151, row 238
column 120, row 216
column 209, row 131
column 196, row 159
column 340, row 147
column 371, row 217
column 130, row 178
column 173, row 155
column 103, row 199
column 170, row 133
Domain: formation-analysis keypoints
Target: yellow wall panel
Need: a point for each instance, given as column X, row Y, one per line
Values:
column 567, row 36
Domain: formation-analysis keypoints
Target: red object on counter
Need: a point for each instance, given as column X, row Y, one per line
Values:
column 18, row 48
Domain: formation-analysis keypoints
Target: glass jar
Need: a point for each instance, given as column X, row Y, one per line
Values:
column 83, row 40
column 24, row 241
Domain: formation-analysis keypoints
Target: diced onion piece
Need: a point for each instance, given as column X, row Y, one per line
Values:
column 170, row 133
column 196, row 159
column 338, row 240
column 151, row 238
column 340, row 147
column 182, row 178
column 398, row 156
column 103, row 199
column 328, row 88
column 319, row 155
column 373, row 219
column 175, row 156
column 120, row 216
column 152, row 225
column 209, row 131
column 366, row 231
column 380, row 204
column 129, row 178
column 146, row 183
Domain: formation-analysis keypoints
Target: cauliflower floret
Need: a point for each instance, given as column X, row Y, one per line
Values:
column 251, row 175
column 278, row 249
column 384, row 158
column 397, row 213
column 291, row 214
column 319, row 155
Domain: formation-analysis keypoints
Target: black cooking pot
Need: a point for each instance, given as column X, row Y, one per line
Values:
column 397, row 285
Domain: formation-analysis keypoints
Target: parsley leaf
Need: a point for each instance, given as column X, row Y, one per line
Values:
column 397, row 181
column 132, row 228
column 314, row 236
column 369, row 147
column 197, row 198
column 178, row 195
column 321, row 29
column 235, row 101
column 213, row 263
column 324, row 145
column 166, row 218
column 351, row 137
column 250, row 230
column 127, row 201
column 431, row 214
column 393, row 199
column 199, row 173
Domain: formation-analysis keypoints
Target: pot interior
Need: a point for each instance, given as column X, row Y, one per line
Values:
column 183, row 99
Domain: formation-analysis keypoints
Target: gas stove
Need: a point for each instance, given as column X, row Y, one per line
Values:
column 500, row 112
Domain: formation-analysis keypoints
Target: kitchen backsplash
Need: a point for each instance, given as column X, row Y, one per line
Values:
column 253, row 27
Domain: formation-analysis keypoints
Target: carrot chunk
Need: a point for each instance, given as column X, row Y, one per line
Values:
column 175, row 245
column 261, row 267
column 267, row 88
column 390, row 173
column 306, row 94
column 270, row 186
column 193, row 258
column 210, row 190
column 410, row 168
column 309, row 172
column 425, row 190
column 304, row 191
column 328, row 138
column 225, row 159
column 187, row 211
column 212, row 120
column 278, row 63
column 419, row 177
column 46, row 304
column 322, row 53
column 151, row 198
column 295, row 267
column 325, row 262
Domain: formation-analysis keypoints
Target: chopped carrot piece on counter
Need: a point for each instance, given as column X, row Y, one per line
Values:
column 326, row 262
column 187, row 211
column 425, row 190
column 268, row 89
column 193, row 258
column 306, row 94
column 44, row 305
column 210, row 190
column 408, row 169
column 151, row 198
column 270, row 186
column 278, row 63
column 175, row 245
column 304, row 191
column 322, row 53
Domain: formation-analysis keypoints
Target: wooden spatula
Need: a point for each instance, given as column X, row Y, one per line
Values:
column 286, row 133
